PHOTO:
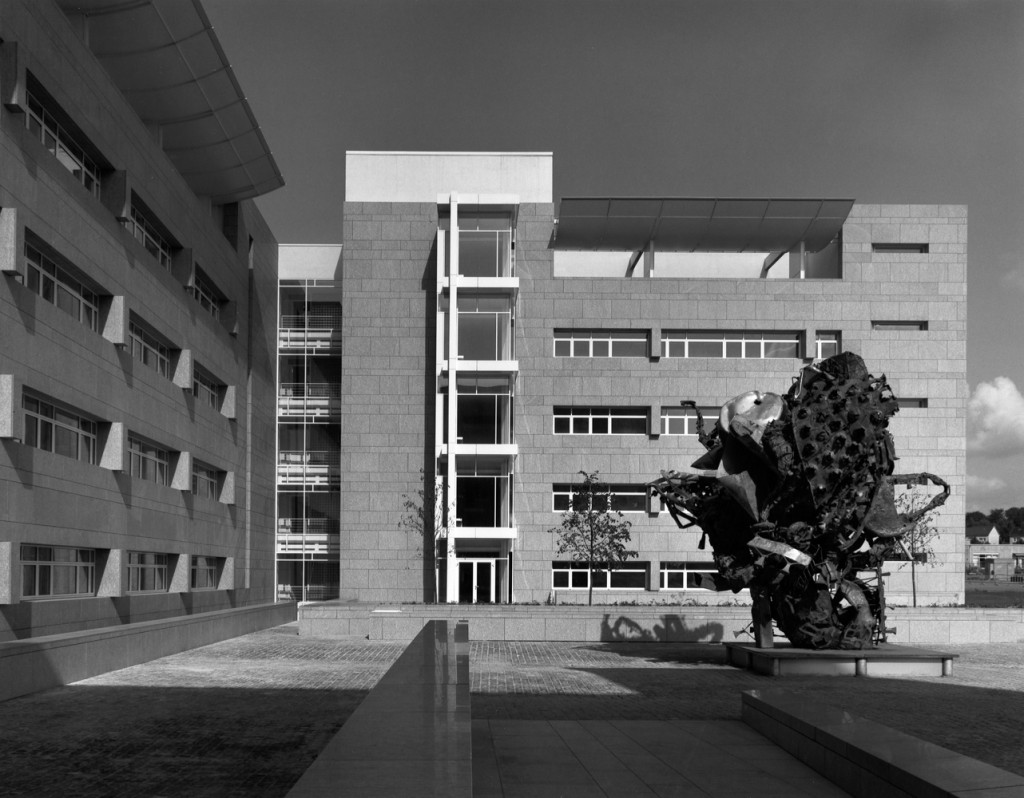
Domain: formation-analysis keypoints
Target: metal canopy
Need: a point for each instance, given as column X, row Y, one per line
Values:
column 164, row 57
column 697, row 224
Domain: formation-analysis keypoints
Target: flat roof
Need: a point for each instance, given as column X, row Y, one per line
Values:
column 165, row 58
column 695, row 224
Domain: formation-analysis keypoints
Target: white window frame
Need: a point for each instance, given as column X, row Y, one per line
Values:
column 204, row 569
column 826, row 344
column 206, row 389
column 686, row 569
column 732, row 344
column 671, row 416
column 64, row 145
column 149, row 350
column 148, row 461
column 206, row 294
column 561, row 496
column 44, row 422
column 34, row 563
column 45, row 278
column 148, row 568
column 145, row 231
column 578, row 575
column 598, row 343
column 596, row 420
column 205, row 481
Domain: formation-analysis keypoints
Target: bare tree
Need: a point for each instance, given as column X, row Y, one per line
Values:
column 919, row 540
column 425, row 520
column 591, row 531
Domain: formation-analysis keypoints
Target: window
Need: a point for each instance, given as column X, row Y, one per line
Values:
column 684, row 575
column 54, row 429
column 601, row 343
column 204, row 572
column 906, row 404
column 51, row 126
column 206, row 294
column 57, row 571
column 150, row 350
column 826, row 344
column 205, row 388
column 141, row 225
column 567, row 575
column 900, row 326
column 624, row 498
column 918, row 248
column 485, row 245
column 58, row 287
column 147, row 572
column 204, row 481
column 485, row 327
column 600, row 420
column 711, row 343
column 149, row 462
column 683, row 420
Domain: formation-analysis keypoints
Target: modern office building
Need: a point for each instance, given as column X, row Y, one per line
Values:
column 308, row 422
column 137, row 299
column 495, row 345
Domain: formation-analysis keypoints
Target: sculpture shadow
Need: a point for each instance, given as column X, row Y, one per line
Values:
column 672, row 629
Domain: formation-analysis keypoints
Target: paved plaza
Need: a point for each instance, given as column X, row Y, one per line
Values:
column 246, row 717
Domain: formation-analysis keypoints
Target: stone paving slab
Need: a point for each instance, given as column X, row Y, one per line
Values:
column 245, row 717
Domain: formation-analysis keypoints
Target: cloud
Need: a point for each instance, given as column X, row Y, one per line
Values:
column 984, row 484
column 995, row 419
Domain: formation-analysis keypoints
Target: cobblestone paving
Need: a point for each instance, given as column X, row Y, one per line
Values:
column 246, row 717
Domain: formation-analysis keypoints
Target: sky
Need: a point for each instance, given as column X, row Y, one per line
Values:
column 887, row 101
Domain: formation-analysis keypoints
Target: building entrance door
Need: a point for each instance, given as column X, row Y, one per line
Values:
column 476, row 581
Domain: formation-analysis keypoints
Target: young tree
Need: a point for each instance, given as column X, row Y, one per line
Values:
column 920, row 539
column 591, row 531
column 425, row 521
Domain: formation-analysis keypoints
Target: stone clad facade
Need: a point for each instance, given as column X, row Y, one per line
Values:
column 895, row 294
column 137, row 366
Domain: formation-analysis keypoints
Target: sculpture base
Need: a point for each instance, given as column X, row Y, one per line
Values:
column 886, row 660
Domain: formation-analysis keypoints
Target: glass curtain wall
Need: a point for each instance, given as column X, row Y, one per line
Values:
column 309, row 429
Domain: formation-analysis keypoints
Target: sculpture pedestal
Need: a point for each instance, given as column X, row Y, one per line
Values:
column 886, row 660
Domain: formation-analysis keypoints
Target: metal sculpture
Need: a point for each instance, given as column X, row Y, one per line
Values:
column 796, row 496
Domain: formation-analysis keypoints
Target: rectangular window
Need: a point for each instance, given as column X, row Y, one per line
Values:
column 625, row 498
column 600, row 421
column 54, row 429
column 684, row 575
column 59, row 287
column 683, row 420
column 916, row 404
column 57, row 571
column 48, row 123
column 601, row 343
column 205, row 388
column 150, row 350
column 750, row 344
column 566, row 575
column 485, row 245
column 148, row 461
column 205, row 481
column 147, row 572
column 485, row 327
column 900, row 326
column 142, row 225
column 206, row 294
column 205, row 572
column 827, row 343
column 916, row 248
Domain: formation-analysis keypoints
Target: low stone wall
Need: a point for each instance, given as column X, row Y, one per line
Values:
column 914, row 626
column 39, row 663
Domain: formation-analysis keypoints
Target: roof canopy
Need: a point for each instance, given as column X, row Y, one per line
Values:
column 165, row 58
column 697, row 224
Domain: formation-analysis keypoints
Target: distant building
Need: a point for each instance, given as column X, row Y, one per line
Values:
column 986, row 556
column 137, row 296
column 495, row 345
